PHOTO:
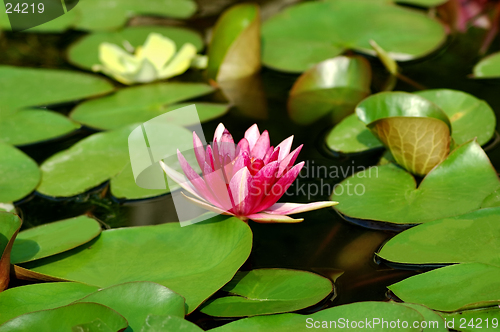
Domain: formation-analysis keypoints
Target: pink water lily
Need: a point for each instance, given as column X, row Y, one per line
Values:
column 244, row 180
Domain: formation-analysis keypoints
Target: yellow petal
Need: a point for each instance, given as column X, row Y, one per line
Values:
column 157, row 49
column 146, row 73
column 113, row 57
column 180, row 63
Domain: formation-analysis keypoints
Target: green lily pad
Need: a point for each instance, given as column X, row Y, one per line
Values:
column 445, row 241
column 469, row 117
column 472, row 320
column 423, row 3
column 333, row 86
column 24, row 87
column 85, row 52
column 141, row 103
column 316, row 31
column 99, row 15
column 488, row 67
column 137, row 300
column 9, row 226
column 343, row 316
column 444, row 192
column 157, row 323
column 493, row 200
column 53, row 238
column 269, row 291
column 434, row 321
column 234, row 51
column 19, row 174
column 193, row 261
column 31, row 126
column 68, row 318
column 67, row 173
column 22, row 300
column 452, row 288
column 352, row 136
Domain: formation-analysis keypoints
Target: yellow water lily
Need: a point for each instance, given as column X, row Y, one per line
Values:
column 157, row 59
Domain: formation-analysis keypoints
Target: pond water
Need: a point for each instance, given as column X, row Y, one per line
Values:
column 324, row 242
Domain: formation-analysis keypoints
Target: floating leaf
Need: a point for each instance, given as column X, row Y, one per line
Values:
column 350, row 316
column 157, row 323
column 416, row 131
column 452, row 240
column 307, row 33
column 19, row 174
column 106, row 154
column 352, row 136
column 234, row 51
column 85, row 52
column 141, row 103
column 67, row 318
column 22, row 300
column 53, row 238
column 434, row 322
column 9, row 226
column 194, row 261
column 423, row 3
column 31, row 126
column 137, row 300
column 269, row 291
column 493, row 200
column 24, row 87
column 471, row 320
column 452, row 288
column 388, row 193
column 488, row 67
column 333, row 86
column 469, row 117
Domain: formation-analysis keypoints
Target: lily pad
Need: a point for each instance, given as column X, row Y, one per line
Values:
column 452, row 288
column 137, row 300
column 269, row 291
column 157, row 323
column 433, row 320
column 333, row 86
column 471, row 320
column 68, row 318
column 445, row 241
column 24, row 87
column 352, row 136
column 234, row 51
column 469, row 116
column 85, row 52
column 350, row 316
column 493, row 200
column 31, row 126
column 488, row 67
column 53, row 238
column 193, row 261
column 141, row 103
column 19, row 174
column 67, row 173
column 444, row 192
column 99, row 15
column 307, row 33
column 22, row 300
column 9, row 226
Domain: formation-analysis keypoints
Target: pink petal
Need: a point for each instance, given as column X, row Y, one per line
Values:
column 268, row 154
column 207, row 206
column 274, row 155
column 287, row 163
column 209, row 158
column 218, row 132
column 285, row 147
column 243, row 160
column 291, row 208
column 215, row 182
column 243, row 146
column 272, row 218
column 252, row 135
column 226, row 145
column 256, row 166
column 180, row 179
column 279, row 188
column 195, row 179
column 261, row 146
column 199, row 151
column 262, row 183
column 239, row 185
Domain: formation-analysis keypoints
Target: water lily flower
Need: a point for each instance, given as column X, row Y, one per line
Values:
column 244, row 180
column 157, row 59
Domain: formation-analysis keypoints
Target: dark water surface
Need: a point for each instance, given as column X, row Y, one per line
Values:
column 324, row 242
